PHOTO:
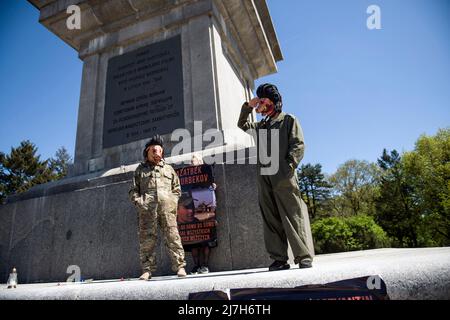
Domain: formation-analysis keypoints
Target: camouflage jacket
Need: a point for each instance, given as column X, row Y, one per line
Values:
column 154, row 182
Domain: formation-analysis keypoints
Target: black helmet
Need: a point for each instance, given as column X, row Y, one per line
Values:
column 268, row 90
column 155, row 140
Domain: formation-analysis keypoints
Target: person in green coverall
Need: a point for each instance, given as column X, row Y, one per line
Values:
column 278, row 193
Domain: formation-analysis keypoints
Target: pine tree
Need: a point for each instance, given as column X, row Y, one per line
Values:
column 395, row 209
column 59, row 164
column 22, row 169
column 314, row 187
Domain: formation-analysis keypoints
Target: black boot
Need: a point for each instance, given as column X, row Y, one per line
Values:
column 279, row 265
column 305, row 263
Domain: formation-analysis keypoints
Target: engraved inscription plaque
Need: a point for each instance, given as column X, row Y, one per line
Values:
column 144, row 93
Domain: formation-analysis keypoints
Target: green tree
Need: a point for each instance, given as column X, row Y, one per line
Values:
column 428, row 170
column 354, row 188
column 337, row 234
column 60, row 163
column 314, row 187
column 22, row 169
column 396, row 211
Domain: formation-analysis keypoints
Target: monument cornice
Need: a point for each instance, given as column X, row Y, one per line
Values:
column 241, row 20
column 110, row 23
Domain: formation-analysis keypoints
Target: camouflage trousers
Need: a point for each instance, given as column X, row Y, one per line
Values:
column 164, row 215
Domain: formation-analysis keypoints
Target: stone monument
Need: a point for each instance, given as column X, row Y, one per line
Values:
column 149, row 66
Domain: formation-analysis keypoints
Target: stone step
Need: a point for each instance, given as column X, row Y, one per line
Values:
column 408, row 273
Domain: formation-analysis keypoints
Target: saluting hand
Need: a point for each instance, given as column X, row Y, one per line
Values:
column 254, row 102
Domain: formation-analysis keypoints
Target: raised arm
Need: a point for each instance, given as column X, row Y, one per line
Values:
column 243, row 121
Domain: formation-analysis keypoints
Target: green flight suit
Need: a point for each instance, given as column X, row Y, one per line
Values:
column 279, row 194
column 155, row 192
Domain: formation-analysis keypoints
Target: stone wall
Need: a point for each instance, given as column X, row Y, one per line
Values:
column 92, row 224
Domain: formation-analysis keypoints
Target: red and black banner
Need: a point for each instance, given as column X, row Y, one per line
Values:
column 196, row 214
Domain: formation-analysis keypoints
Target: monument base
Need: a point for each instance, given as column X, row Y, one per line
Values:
column 408, row 274
column 88, row 221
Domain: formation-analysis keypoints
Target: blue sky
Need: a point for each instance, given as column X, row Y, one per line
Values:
column 354, row 90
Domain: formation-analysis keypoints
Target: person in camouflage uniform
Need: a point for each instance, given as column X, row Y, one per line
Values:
column 155, row 192
column 279, row 194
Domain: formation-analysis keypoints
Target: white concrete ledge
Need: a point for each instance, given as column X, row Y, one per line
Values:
column 408, row 274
